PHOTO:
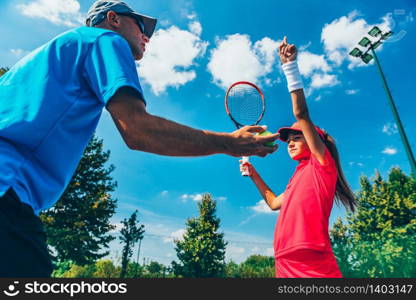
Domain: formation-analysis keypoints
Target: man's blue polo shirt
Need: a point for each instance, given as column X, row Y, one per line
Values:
column 50, row 104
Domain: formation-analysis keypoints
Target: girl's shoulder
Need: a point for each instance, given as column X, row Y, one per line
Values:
column 328, row 165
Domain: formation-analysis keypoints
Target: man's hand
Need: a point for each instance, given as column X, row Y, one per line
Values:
column 287, row 52
column 245, row 143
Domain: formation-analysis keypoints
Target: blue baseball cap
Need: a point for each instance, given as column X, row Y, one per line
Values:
column 99, row 9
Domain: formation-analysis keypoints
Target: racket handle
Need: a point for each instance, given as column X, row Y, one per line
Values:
column 245, row 171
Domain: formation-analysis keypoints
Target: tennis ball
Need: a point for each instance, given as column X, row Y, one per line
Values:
column 264, row 133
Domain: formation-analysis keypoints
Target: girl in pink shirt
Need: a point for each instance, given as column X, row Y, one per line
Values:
column 301, row 242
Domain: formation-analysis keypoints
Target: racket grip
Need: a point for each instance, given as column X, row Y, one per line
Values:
column 245, row 171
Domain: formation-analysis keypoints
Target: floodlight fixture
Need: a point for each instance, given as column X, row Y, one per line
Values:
column 356, row 52
column 387, row 35
column 367, row 58
column 375, row 31
column 364, row 42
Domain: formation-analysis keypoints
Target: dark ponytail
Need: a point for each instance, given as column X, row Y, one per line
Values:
column 343, row 192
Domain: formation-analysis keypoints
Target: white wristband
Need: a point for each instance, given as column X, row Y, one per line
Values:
column 294, row 80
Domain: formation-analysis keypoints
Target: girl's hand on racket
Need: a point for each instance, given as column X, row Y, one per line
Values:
column 287, row 52
column 245, row 143
column 246, row 168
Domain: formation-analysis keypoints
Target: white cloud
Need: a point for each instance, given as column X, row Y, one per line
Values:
column 389, row 151
column 304, row 47
column 164, row 193
column 266, row 50
column 194, row 197
column 390, row 128
column 191, row 16
column 196, row 28
column 351, row 92
column 59, row 12
column 309, row 63
column 164, row 23
column 352, row 163
column 270, row 252
column 235, row 58
column 170, row 57
column 324, row 80
column 316, row 68
column 199, row 196
column 255, row 249
column 234, row 250
column 262, row 208
column 184, row 197
column 338, row 38
column 343, row 34
column 336, row 57
column 176, row 235
column 19, row 52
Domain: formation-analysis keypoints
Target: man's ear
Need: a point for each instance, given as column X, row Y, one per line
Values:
column 113, row 19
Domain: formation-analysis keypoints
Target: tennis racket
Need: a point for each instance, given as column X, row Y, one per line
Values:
column 245, row 105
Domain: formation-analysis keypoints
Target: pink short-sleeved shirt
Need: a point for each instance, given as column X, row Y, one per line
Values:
column 307, row 204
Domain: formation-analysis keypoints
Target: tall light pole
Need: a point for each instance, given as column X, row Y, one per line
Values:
column 366, row 58
column 137, row 261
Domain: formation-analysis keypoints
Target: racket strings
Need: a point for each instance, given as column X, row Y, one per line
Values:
column 245, row 104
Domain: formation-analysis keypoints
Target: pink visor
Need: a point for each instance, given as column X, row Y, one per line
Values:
column 285, row 131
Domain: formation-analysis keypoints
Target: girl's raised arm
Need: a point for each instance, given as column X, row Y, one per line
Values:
column 288, row 54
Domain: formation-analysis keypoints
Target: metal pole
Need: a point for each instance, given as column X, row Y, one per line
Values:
column 405, row 141
column 137, row 261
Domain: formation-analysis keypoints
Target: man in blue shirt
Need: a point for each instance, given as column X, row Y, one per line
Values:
column 50, row 104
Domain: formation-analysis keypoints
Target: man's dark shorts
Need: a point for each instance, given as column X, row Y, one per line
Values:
column 23, row 250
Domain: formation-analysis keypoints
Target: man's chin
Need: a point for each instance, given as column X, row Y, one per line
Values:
column 138, row 57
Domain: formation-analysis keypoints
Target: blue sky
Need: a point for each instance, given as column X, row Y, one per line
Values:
column 199, row 48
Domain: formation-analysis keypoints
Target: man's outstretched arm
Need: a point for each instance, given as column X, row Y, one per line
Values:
column 145, row 132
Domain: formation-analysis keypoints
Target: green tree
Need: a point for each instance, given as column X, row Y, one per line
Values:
column 76, row 271
column 78, row 225
column 154, row 270
column 379, row 240
column 255, row 266
column 343, row 248
column 134, row 270
column 202, row 251
column 105, row 268
column 129, row 235
column 3, row 71
column 258, row 266
column 61, row 268
column 232, row 269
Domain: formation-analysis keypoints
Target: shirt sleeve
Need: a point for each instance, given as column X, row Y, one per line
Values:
column 109, row 66
column 329, row 165
column 325, row 177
